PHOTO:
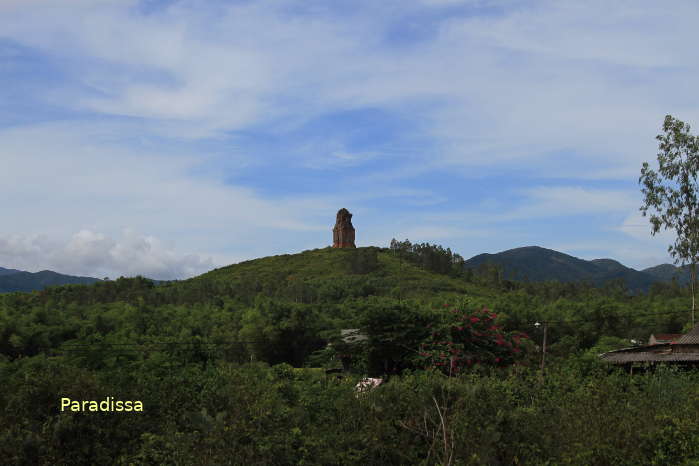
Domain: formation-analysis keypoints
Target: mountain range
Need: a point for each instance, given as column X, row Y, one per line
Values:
column 537, row 264
column 531, row 263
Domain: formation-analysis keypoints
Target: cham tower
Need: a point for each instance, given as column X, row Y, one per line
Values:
column 343, row 233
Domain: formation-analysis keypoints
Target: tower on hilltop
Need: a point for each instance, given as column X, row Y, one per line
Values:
column 343, row 233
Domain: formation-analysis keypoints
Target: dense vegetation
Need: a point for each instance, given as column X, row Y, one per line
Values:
column 230, row 367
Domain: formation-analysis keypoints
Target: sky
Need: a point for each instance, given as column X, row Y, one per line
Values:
column 169, row 137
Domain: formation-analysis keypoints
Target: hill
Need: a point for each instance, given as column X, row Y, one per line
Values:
column 535, row 263
column 15, row 280
column 666, row 272
column 332, row 274
column 4, row 271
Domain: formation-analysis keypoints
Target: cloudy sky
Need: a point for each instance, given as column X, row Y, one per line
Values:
column 166, row 138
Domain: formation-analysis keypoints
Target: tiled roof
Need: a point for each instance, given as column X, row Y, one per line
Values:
column 684, row 349
column 690, row 338
column 622, row 357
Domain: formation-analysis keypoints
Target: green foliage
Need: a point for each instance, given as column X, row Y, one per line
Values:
column 430, row 257
column 469, row 338
column 671, row 195
column 261, row 414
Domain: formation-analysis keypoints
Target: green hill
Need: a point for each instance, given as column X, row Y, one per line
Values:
column 535, row 263
column 330, row 275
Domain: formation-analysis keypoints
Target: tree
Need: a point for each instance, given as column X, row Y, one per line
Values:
column 466, row 338
column 670, row 194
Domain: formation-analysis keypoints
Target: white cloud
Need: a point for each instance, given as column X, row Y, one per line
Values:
column 75, row 176
column 95, row 254
column 556, row 201
column 638, row 227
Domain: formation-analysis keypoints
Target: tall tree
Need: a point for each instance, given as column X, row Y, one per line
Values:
column 671, row 192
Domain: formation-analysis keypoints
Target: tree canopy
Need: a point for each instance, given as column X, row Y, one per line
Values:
column 670, row 194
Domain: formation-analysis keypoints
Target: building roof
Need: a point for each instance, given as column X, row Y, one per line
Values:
column 660, row 352
column 667, row 336
column 620, row 357
column 690, row 338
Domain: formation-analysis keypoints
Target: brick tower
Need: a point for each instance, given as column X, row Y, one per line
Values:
column 343, row 233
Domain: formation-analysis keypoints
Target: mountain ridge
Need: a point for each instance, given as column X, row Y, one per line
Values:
column 536, row 263
column 12, row 280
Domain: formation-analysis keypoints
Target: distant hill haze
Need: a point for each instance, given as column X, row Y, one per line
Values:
column 4, row 271
column 536, row 264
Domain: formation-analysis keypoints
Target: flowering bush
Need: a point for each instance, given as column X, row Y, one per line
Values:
column 467, row 339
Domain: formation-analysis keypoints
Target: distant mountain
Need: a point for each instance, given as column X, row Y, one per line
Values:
column 535, row 263
column 610, row 265
column 16, row 280
column 666, row 272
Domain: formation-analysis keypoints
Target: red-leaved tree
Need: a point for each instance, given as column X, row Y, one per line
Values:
column 469, row 338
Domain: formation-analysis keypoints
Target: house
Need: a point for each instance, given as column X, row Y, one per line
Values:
column 682, row 351
column 658, row 338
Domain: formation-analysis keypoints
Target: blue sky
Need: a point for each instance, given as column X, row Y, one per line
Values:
column 166, row 138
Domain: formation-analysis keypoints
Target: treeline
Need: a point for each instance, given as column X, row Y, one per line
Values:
column 224, row 328
column 430, row 257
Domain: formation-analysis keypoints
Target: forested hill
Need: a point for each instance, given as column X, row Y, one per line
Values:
column 535, row 263
column 17, row 280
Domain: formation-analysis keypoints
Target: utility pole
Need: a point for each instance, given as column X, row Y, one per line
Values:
column 543, row 346
column 400, row 276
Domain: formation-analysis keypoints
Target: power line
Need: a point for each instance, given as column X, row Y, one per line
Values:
column 610, row 316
